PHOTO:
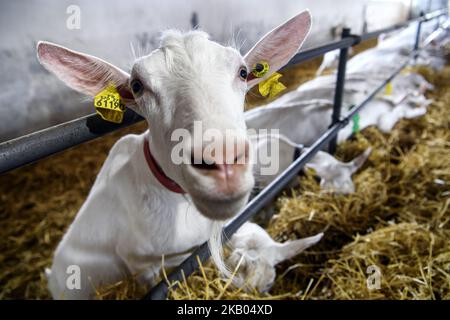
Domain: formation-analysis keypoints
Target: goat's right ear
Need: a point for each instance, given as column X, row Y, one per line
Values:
column 279, row 45
column 84, row 73
column 357, row 163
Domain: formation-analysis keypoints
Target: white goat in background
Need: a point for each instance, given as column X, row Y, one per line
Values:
column 304, row 114
column 136, row 211
column 335, row 176
column 255, row 255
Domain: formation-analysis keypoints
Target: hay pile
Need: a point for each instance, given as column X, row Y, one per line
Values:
column 37, row 204
column 398, row 219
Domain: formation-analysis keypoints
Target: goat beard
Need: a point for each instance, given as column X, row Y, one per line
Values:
column 215, row 245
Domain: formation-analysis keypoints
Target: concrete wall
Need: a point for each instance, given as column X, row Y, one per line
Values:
column 31, row 99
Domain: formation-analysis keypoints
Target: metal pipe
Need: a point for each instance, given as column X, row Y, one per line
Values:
column 308, row 54
column 37, row 145
column 339, row 91
column 417, row 41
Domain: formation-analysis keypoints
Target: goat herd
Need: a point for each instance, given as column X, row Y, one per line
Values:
column 144, row 206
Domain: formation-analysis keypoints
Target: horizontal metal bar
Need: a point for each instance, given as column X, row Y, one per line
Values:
column 339, row 89
column 35, row 146
column 308, row 54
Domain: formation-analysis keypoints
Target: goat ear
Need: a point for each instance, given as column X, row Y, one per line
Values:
column 82, row 72
column 357, row 163
column 285, row 251
column 279, row 45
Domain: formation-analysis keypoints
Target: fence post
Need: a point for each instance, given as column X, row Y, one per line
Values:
column 339, row 91
column 416, row 43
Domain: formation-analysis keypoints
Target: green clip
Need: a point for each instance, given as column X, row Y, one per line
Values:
column 355, row 128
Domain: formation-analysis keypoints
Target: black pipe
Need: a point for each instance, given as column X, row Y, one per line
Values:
column 339, row 91
column 417, row 41
column 37, row 145
column 320, row 50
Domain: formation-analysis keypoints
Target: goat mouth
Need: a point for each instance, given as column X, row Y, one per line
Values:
column 222, row 199
column 220, row 208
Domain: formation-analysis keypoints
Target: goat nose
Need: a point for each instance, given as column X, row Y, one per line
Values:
column 226, row 164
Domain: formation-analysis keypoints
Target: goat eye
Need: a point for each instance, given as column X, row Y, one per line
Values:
column 243, row 73
column 137, row 87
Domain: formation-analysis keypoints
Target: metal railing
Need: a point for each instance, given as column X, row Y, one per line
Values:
column 35, row 146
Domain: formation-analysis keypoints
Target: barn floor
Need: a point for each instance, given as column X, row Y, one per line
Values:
column 398, row 219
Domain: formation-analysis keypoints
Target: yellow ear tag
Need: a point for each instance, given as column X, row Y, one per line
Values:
column 260, row 69
column 388, row 90
column 108, row 105
column 271, row 86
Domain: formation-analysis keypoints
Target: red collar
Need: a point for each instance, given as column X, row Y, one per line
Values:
column 157, row 171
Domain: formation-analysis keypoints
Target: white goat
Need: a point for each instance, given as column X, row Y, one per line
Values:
column 303, row 122
column 256, row 254
column 136, row 211
column 283, row 117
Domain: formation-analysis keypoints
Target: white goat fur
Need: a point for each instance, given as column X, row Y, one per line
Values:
column 335, row 175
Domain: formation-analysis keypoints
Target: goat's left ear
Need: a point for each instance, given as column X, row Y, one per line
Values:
column 279, row 45
column 84, row 73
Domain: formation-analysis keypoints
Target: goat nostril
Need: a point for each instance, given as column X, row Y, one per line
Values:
column 242, row 157
column 203, row 165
